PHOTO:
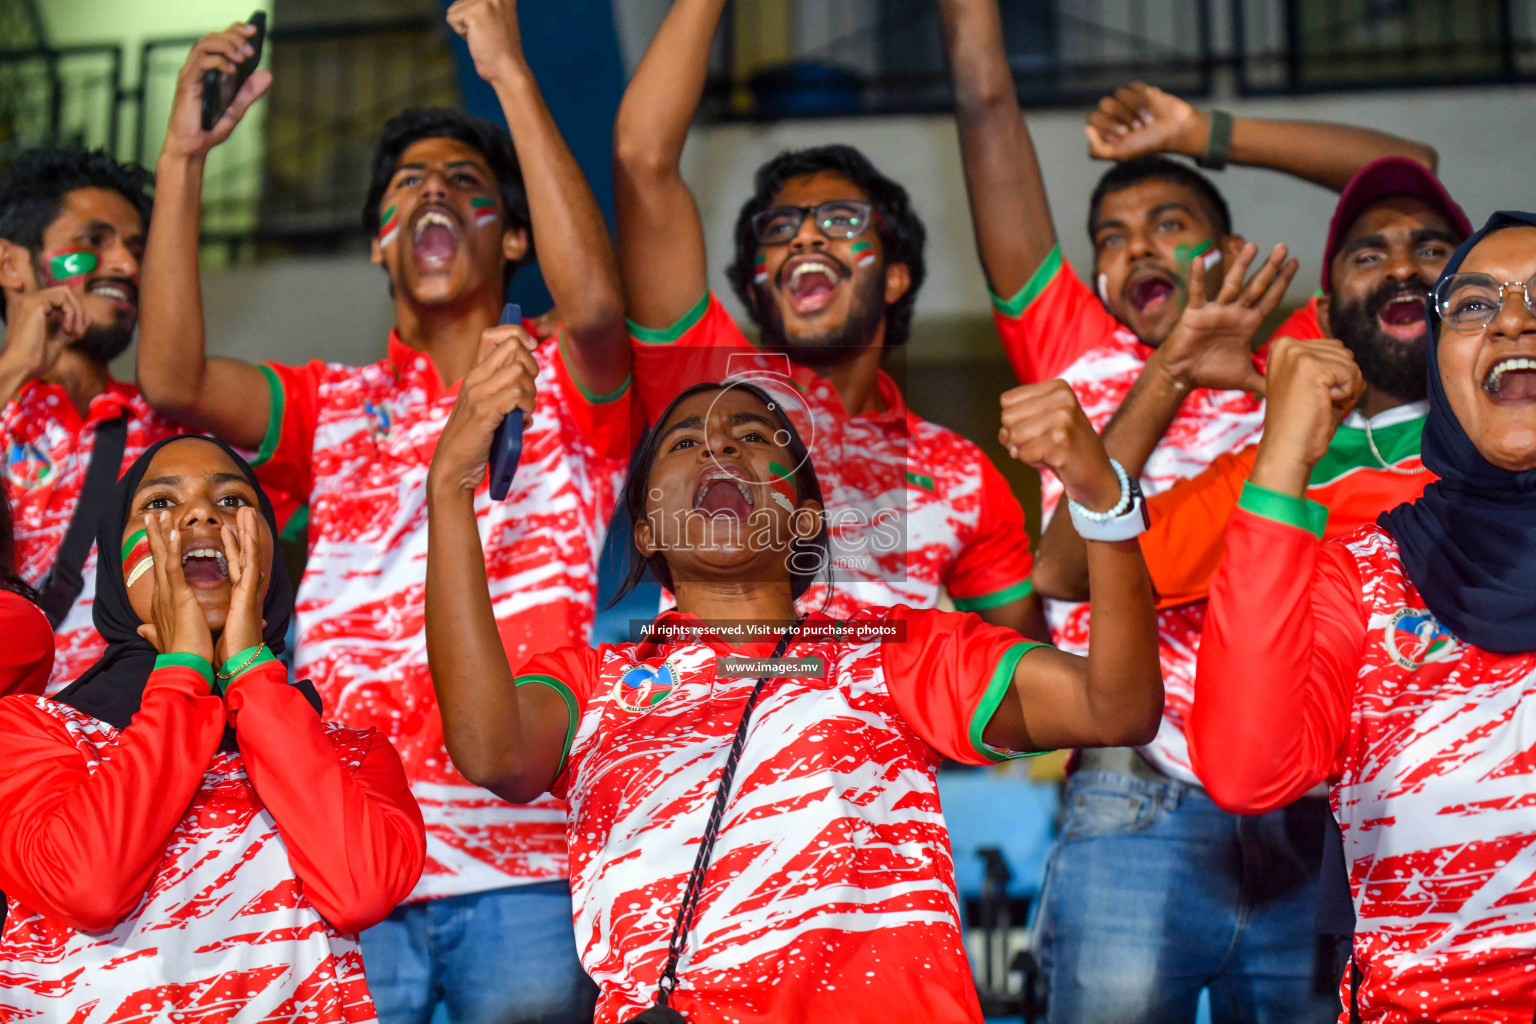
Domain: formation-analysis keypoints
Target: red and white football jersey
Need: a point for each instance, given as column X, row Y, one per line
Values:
column 831, row 893
column 913, row 508
column 358, row 441
column 47, row 449
column 222, row 933
column 1057, row 327
column 1425, row 740
column 1435, row 800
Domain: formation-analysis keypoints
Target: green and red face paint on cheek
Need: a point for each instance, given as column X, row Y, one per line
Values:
column 484, row 211
column 783, row 485
column 137, row 559
column 760, row 269
column 389, row 226
column 864, row 254
column 73, row 263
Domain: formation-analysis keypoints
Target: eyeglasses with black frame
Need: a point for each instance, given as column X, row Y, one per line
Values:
column 1470, row 302
column 836, row 219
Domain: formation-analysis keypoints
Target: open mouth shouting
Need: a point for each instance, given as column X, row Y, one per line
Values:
column 205, row 566
column 1401, row 314
column 1511, row 380
column 723, row 492
column 811, row 281
column 1149, row 291
column 121, row 292
column 435, row 236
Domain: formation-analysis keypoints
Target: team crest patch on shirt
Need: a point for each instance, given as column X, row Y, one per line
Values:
column 379, row 417
column 1414, row 637
column 643, row 687
column 27, row 465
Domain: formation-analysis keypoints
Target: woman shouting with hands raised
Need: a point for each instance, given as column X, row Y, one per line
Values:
column 752, row 808
column 174, row 834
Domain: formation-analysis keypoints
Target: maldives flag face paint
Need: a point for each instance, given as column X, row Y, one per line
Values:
column 864, row 253
column 136, row 557
column 760, row 270
column 485, row 212
column 66, row 265
column 389, row 226
column 1185, row 255
column 783, row 485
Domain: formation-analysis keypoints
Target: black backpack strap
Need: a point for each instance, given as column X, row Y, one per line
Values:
column 59, row 589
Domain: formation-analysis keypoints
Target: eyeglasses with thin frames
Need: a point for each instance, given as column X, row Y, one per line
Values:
column 1470, row 302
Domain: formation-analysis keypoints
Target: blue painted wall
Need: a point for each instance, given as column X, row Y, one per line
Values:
column 573, row 48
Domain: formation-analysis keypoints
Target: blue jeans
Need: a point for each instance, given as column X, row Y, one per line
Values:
column 507, row 956
column 1154, row 893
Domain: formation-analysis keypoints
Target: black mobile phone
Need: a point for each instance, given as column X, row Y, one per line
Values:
column 219, row 88
column 507, row 442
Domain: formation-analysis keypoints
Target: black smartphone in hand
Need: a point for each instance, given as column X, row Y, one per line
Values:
column 507, row 442
column 219, row 88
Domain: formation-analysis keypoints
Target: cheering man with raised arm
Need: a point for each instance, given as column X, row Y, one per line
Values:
column 1118, row 944
column 454, row 212
column 828, row 261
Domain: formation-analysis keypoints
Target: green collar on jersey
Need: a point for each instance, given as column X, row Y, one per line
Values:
column 1350, row 450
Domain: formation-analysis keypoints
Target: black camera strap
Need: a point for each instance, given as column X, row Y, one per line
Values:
column 662, row 1011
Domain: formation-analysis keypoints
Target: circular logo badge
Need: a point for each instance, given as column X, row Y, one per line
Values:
column 642, row 687
column 1414, row 637
column 27, row 465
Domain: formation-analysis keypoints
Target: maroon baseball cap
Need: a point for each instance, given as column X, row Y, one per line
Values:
column 1389, row 176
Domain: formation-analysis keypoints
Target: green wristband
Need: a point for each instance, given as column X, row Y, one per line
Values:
column 1218, row 143
column 241, row 663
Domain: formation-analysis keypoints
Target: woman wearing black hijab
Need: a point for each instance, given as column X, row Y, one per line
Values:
column 1398, row 663
column 174, row 835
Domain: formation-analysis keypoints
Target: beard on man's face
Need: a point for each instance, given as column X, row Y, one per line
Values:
column 835, row 344
column 1398, row 366
column 103, row 342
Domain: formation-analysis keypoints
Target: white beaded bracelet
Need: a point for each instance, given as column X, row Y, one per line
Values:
column 1081, row 512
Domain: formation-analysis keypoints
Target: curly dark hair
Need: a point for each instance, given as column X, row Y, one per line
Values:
column 488, row 139
column 1160, row 168
column 637, row 483
column 34, row 186
column 901, row 230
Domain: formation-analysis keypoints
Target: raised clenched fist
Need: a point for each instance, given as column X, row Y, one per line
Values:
column 1045, row 427
column 1311, row 386
column 491, row 30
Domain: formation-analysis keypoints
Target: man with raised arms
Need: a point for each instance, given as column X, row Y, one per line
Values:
column 1154, row 893
column 828, row 260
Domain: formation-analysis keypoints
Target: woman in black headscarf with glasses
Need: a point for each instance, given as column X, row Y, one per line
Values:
column 1398, row 663
column 179, row 828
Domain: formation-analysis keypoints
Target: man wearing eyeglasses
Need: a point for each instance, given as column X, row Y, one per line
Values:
column 828, row 261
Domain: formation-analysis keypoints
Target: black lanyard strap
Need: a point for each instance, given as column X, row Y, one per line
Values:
column 695, row 890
